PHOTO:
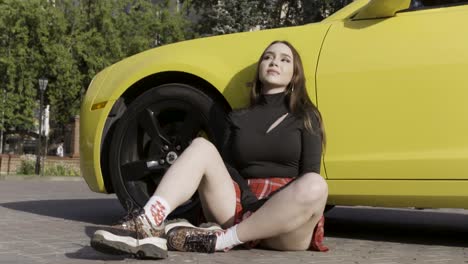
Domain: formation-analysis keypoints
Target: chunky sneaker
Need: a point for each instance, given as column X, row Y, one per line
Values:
column 183, row 236
column 138, row 221
column 134, row 235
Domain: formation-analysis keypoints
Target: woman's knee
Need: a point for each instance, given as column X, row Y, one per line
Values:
column 311, row 188
column 203, row 143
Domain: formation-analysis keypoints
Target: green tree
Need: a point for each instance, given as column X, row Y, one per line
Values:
column 316, row 10
column 173, row 26
column 65, row 79
column 222, row 17
column 22, row 28
column 69, row 41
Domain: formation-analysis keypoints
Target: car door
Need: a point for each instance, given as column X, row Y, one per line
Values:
column 393, row 93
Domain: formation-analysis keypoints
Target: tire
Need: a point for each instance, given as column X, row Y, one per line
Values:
column 152, row 133
column 328, row 208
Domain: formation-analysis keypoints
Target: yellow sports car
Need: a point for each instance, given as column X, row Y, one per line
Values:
column 390, row 78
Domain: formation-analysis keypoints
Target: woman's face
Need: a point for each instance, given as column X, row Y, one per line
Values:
column 276, row 68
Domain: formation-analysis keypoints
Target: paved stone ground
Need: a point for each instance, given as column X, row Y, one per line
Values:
column 46, row 221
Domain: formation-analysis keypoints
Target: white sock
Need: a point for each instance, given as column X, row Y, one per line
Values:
column 157, row 210
column 228, row 239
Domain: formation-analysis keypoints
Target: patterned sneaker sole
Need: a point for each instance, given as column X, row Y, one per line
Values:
column 148, row 248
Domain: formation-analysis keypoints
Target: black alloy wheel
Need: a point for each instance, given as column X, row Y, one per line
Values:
column 151, row 135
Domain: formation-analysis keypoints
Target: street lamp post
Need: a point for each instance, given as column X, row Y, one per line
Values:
column 3, row 119
column 42, row 87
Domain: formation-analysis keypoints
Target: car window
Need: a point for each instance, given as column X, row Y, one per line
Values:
column 420, row 4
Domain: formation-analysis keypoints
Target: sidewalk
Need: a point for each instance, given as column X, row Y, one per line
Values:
column 13, row 177
column 46, row 221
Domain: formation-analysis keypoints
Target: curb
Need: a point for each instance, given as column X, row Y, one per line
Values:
column 40, row 178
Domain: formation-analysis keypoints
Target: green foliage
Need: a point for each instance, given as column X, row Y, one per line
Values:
column 28, row 164
column 316, row 10
column 69, row 41
column 26, row 167
column 22, row 28
column 222, row 17
column 61, row 169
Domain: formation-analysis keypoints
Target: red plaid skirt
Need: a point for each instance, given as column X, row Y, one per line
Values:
column 263, row 187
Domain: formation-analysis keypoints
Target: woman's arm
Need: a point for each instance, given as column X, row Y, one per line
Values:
column 248, row 199
column 311, row 154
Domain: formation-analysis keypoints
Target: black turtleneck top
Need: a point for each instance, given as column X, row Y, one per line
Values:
column 288, row 150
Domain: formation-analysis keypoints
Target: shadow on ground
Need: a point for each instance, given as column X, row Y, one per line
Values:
column 447, row 228
column 88, row 253
column 398, row 225
column 93, row 211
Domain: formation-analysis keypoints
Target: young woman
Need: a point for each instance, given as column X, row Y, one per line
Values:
column 264, row 188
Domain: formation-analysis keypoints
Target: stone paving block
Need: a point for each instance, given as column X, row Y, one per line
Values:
column 33, row 233
column 38, row 250
column 12, row 258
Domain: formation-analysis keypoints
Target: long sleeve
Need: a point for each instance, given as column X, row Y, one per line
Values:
column 311, row 154
column 226, row 144
column 248, row 199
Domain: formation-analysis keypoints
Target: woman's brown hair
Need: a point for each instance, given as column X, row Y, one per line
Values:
column 298, row 99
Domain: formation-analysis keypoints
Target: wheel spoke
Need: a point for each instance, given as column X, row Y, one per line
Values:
column 148, row 121
column 190, row 128
column 137, row 170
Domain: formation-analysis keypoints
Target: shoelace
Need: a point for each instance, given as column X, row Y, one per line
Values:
column 133, row 211
column 125, row 219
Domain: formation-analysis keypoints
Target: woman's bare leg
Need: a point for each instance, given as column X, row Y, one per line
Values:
column 298, row 239
column 287, row 220
column 200, row 167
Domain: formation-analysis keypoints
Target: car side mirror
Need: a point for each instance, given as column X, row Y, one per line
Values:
column 381, row 9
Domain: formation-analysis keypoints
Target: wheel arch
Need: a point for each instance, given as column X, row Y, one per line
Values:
column 136, row 90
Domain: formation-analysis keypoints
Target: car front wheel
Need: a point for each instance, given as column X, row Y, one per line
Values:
column 151, row 135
